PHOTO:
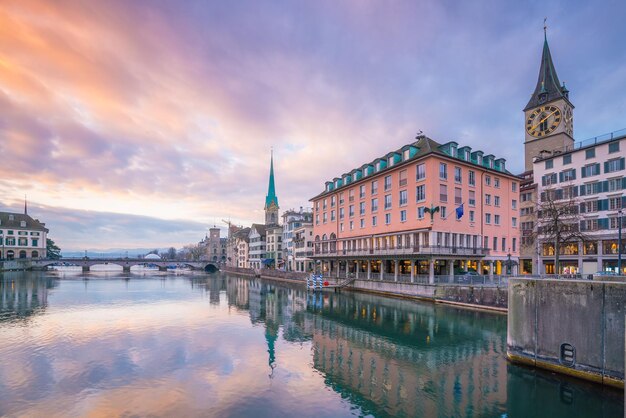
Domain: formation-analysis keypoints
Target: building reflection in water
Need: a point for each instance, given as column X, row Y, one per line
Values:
column 23, row 294
column 400, row 358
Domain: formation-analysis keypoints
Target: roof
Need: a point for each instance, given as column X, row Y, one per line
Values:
column 424, row 147
column 15, row 223
column 271, row 189
column 260, row 228
column 548, row 85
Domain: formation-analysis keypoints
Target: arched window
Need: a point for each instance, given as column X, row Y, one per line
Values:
column 22, row 254
column 35, row 254
column 10, row 255
column 333, row 236
column 324, row 237
column 317, row 238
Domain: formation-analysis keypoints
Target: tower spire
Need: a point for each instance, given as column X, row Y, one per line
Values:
column 271, row 188
column 548, row 86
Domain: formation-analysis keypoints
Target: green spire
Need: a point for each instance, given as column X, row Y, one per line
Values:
column 271, row 189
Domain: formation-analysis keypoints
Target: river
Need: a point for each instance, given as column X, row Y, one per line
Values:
column 183, row 345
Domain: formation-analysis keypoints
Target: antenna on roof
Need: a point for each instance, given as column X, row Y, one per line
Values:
column 25, row 206
column 545, row 26
column 419, row 134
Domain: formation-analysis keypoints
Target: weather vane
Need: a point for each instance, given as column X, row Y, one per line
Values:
column 545, row 25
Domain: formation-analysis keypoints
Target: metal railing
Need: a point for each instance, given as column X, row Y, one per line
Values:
column 585, row 143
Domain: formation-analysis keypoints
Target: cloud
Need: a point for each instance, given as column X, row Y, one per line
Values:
column 169, row 110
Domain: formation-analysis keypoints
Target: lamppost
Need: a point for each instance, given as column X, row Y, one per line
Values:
column 508, row 263
column 619, row 242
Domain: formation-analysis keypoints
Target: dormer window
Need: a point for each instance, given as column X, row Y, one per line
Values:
column 390, row 161
column 11, row 217
column 23, row 224
column 467, row 155
column 406, row 154
column 479, row 159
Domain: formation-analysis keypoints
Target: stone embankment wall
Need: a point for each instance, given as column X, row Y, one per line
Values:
column 12, row 265
column 574, row 327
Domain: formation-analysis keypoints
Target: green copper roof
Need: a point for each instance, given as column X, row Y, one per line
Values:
column 271, row 189
column 548, row 85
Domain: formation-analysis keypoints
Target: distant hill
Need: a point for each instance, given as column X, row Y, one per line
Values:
column 112, row 252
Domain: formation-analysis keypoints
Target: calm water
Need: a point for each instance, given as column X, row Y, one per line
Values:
column 157, row 344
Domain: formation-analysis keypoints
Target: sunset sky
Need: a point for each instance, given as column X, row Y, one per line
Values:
column 141, row 123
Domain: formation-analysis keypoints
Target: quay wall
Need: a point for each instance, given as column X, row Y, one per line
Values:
column 474, row 296
column 13, row 265
column 573, row 327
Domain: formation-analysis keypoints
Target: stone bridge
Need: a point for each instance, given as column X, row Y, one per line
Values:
column 126, row 263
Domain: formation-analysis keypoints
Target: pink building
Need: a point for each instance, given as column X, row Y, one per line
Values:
column 425, row 209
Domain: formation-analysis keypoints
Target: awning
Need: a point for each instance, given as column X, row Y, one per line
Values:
column 268, row 261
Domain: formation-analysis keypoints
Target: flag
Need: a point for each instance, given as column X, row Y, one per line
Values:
column 459, row 212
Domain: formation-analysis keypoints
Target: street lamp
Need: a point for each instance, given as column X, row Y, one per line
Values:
column 508, row 263
column 619, row 242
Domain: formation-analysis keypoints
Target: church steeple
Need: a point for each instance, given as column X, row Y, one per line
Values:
column 271, row 201
column 548, row 87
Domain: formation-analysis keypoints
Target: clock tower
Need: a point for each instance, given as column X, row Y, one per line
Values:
column 548, row 116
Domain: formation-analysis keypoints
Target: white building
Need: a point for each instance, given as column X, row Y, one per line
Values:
column 21, row 236
column 257, row 245
column 593, row 172
column 241, row 254
column 291, row 221
column 303, row 247
column 274, row 246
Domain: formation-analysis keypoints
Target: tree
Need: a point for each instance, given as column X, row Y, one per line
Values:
column 192, row 252
column 156, row 252
column 53, row 251
column 171, row 253
column 558, row 220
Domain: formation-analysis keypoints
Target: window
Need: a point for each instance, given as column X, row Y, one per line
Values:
column 403, row 197
column 514, row 222
column 443, row 171
column 362, row 191
column 613, row 147
column 341, row 227
column 514, row 244
column 590, row 153
column 503, row 244
column 420, row 172
column 374, row 220
column 485, row 242
column 614, row 184
column 442, row 212
column 488, row 180
column 496, row 182
column 317, row 219
column 325, row 218
column 421, row 212
column 590, row 170
column 457, row 175
column 341, row 213
column 387, row 183
column 527, row 211
column 341, row 198
column 332, row 215
column 375, row 187
column 351, row 211
column 513, row 204
column 420, row 193
column 471, row 178
column 488, row 218
column 549, row 164
column 615, row 203
column 351, row 195
column 487, row 199
column 567, row 159
column 443, row 193
column 333, row 200
column 496, row 219
column 387, row 218
column 495, row 243
column 402, row 178
column 374, row 205
column 362, row 208
column 351, row 225
column 403, row 216
column 548, row 179
column 324, row 204
column 568, row 175
column 472, row 198
column 387, row 201
column 35, row 242
column 614, row 165
column 362, row 223
column 471, row 216
column 458, row 198
column 496, row 201
column 526, row 197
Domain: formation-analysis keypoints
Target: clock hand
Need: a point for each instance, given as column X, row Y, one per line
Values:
column 542, row 120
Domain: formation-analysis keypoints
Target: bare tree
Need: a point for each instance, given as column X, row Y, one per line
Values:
column 558, row 220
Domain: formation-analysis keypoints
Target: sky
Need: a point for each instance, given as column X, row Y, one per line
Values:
column 141, row 124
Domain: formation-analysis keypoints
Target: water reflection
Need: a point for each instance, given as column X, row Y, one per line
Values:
column 216, row 345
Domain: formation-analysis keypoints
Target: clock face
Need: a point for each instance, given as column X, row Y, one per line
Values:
column 543, row 121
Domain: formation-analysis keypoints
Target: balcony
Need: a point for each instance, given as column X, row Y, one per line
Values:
column 404, row 250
